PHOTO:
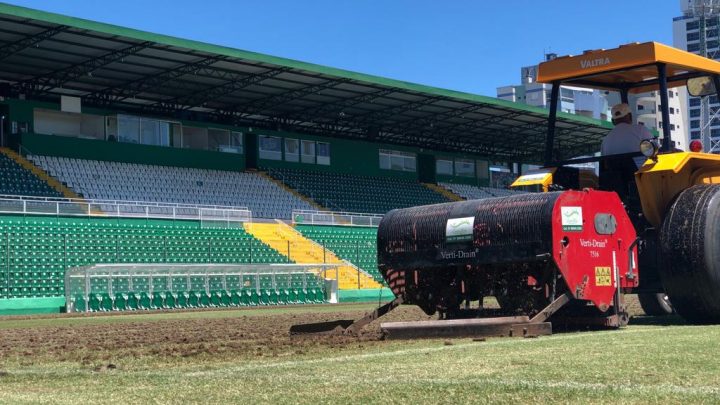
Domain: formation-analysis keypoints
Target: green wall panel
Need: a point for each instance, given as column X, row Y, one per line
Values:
column 132, row 153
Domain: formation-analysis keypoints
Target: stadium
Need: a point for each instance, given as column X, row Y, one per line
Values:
column 169, row 208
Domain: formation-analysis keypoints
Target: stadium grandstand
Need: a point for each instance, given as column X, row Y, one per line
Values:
column 141, row 151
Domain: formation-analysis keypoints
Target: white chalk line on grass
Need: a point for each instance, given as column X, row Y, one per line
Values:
column 418, row 350
column 630, row 388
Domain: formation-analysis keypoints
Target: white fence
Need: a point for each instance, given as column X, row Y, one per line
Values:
column 335, row 218
column 125, row 209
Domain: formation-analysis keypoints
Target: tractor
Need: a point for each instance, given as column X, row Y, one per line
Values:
column 570, row 253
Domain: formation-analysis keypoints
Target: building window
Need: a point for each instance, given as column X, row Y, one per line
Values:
column 143, row 130
column 443, row 166
column 308, row 151
column 672, row 110
column 694, row 112
column 693, row 36
column 715, row 132
column 465, row 167
column 270, row 147
column 672, row 127
column 712, row 44
column 292, row 150
column 710, row 22
column 695, row 135
column 694, row 101
column 693, row 47
column 692, row 25
column 694, row 124
column 397, row 160
column 711, row 33
column 640, row 107
column 323, row 153
column 225, row 141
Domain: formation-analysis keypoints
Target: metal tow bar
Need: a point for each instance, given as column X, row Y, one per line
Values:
column 344, row 326
column 508, row 326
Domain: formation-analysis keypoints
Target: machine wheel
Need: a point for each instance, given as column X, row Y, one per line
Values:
column 690, row 252
column 655, row 304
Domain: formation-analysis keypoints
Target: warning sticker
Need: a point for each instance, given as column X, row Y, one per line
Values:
column 602, row 276
column 459, row 229
column 571, row 218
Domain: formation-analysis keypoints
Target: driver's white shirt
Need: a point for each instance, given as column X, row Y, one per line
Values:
column 625, row 138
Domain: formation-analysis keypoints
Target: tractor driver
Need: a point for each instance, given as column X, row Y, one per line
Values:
column 626, row 136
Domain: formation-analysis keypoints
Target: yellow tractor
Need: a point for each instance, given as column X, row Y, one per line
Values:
column 672, row 199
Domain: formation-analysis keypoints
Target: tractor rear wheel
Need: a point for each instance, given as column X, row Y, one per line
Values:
column 655, row 304
column 690, row 252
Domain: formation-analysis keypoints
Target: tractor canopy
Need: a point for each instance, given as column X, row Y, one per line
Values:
column 628, row 69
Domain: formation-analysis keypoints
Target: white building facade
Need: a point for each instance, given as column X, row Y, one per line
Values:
column 697, row 31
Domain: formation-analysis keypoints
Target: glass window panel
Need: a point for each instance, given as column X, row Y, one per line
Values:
column 323, row 153
column 236, row 141
column 444, row 167
column 270, row 147
column 384, row 161
column 409, row 165
column 292, row 150
column 397, row 162
column 150, row 131
column 128, row 129
column 218, row 139
column 465, row 167
column 308, row 151
column 164, row 133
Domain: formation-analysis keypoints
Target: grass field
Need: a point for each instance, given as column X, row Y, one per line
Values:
column 246, row 356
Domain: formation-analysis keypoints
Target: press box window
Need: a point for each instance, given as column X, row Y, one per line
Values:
column 465, row 167
column 224, row 141
column 308, row 151
column 323, row 153
column 270, row 147
column 292, row 150
column 444, row 167
column 397, row 160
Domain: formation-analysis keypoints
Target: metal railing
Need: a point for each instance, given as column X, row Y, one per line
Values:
column 25, row 205
column 306, row 217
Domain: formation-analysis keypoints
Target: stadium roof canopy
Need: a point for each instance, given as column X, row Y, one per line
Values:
column 44, row 55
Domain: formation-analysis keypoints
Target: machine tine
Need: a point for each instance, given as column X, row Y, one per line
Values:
column 344, row 326
column 549, row 310
column 371, row 316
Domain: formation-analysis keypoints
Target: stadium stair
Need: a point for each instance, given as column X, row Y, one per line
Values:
column 40, row 173
column 443, row 191
column 291, row 243
column 291, row 191
column 352, row 243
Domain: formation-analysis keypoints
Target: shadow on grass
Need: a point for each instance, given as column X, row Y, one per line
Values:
column 668, row 320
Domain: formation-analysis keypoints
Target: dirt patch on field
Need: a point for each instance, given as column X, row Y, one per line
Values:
column 236, row 336
column 105, row 346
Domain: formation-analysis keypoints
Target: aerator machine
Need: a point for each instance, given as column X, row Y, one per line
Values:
column 561, row 256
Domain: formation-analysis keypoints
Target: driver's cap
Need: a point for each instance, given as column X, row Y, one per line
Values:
column 620, row 110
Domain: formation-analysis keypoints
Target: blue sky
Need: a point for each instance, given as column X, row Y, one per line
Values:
column 473, row 46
